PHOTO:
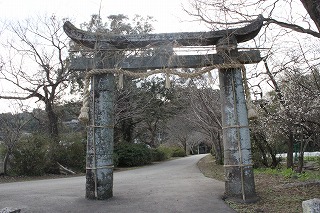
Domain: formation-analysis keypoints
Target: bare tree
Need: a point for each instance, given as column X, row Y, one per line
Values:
column 206, row 115
column 287, row 14
column 36, row 65
column 181, row 131
column 302, row 108
column 158, row 105
column 290, row 37
column 129, row 105
column 312, row 7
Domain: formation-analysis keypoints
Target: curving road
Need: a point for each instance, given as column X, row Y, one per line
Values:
column 172, row 186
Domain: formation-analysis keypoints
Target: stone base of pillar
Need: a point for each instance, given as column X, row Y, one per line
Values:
column 240, row 188
column 100, row 187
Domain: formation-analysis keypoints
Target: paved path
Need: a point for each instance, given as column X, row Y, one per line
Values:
column 172, row 186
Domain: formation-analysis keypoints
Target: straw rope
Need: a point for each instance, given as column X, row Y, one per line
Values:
column 84, row 112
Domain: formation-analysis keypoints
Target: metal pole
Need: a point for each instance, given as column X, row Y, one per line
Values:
column 239, row 179
column 99, row 165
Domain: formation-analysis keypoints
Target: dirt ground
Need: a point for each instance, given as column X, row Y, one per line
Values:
column 276, row 193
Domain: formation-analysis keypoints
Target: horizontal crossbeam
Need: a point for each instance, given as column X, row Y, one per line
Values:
column 109, row 41
column 159, row 62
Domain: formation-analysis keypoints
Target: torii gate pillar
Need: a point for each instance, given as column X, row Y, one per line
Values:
column 100, row 129
column 239, row 178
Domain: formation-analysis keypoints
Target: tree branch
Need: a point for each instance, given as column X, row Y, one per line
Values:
column 293, row 27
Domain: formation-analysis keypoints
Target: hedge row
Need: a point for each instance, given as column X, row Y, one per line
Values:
column 139, row 154
column 37, row 155
column 133, row 154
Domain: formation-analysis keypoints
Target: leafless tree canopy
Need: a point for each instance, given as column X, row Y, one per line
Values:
column 35, row 64
column 289, row 43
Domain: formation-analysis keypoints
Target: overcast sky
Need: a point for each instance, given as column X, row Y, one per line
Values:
column 168, row 13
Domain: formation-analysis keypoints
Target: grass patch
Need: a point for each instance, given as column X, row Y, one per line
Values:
column 279, row 190
column 307, row 175
column 312, row 158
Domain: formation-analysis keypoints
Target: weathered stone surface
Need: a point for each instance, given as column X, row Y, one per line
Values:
column 9, row 210
column 99, row 175
column 311, row 206
column 239, row 178
column 89, row 39
column 169, row 61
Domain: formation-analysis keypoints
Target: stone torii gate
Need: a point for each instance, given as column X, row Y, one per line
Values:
column 239, row 179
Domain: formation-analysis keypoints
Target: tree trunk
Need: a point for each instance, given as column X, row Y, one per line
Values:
column 273, row 155
column 217, row 149
column 290, row 150
column 152, row 138
column 52, row 122
column 313, row 9
column 153, row 134
column 6, row 161
column 183, row 141
column 127, row 130
column 185, row 147
column 262, row 151
column 303, row 147
column 300, row 162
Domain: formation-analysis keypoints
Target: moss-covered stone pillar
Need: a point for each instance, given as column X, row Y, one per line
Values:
column 99, row 165
column 239, row 179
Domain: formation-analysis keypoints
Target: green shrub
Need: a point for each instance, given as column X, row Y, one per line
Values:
column 115, row 159
column 313, row 159
column 30, row 156
column 71, row 152
column 133, row 154
column 165, row 152
column 178, row 152
column 288, row 173
column 158, row 155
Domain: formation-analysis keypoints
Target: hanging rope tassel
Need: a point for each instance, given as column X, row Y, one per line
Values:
column 252, row 114
column 167, row 86
column 120, row 82
column 84, row 112
column 210, row 78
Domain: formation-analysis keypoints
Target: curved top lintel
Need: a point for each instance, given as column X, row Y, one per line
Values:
column 105, row 40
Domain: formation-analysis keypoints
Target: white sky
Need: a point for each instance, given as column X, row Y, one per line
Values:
column 168, row 13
